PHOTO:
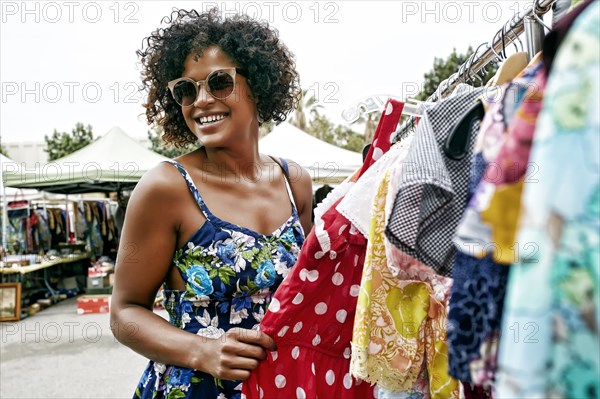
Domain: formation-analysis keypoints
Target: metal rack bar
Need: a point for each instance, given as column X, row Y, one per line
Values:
column 476, row 62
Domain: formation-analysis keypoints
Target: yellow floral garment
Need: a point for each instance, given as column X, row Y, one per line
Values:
column 399, row 330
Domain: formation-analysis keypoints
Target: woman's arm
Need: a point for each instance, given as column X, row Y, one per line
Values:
column 146, row 248
column 145, row 254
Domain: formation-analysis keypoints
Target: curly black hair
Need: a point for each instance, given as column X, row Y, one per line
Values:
column 269, row 66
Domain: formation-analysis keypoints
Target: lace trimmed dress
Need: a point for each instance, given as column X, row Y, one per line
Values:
column 230, row 273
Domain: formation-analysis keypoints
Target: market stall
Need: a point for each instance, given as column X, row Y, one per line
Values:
column 53, row 241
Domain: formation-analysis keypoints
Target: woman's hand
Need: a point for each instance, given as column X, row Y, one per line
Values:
column 236, row 354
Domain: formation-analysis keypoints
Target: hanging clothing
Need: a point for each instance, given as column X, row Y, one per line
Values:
column 310, row 319
column 43, row 231
column 357, row 204
column 311, row 316
column 552, row 311
column 230, row 273
column 555, row 37
column 17, row 228
column 485, row 238
column 399, row 328
column 433, row 193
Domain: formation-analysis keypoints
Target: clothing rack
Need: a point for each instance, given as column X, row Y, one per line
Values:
column 528, row 22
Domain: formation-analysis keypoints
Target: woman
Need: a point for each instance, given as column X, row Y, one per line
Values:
column 215, row 81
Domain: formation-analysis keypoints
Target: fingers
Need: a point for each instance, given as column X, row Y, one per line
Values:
column 234, row 374
column 240, row 363
column 254, row 337
column 243, row 349
column 239, row 353
column 268, row 342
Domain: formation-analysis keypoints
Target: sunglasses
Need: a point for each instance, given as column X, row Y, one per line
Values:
column 219, row 84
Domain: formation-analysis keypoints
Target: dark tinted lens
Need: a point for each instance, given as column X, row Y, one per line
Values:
column 220, row 84
column 185, row 93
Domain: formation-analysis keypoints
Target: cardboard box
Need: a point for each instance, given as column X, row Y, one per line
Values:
column 98, row 281
column 89, row 304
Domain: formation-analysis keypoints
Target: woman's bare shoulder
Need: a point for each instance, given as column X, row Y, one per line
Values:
column 160, row 191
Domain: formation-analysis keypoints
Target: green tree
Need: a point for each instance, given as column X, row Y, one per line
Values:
column 308, row 108
column 349, row 139
column 443, row 69
column 322, row 128
column 168, row 150
column 339, row 135
column 61, row 144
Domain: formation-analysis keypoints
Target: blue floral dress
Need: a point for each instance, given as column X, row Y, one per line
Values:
column 230, row 273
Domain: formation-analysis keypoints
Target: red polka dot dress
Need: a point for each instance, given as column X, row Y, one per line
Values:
column 312, row 313
column 311, row 318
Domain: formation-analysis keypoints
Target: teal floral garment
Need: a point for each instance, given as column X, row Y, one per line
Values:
column 550, row 344
column 230, row 273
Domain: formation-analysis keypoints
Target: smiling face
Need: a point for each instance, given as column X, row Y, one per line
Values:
column 219, row 123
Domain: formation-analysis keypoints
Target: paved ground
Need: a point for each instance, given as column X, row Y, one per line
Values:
column 59, row 354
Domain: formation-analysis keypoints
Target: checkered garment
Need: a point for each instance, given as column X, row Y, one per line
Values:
column 434, row 188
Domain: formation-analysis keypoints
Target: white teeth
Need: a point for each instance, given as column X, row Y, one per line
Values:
column 211, row 118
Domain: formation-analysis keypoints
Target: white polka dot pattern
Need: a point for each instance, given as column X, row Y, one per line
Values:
column 302, row 274
column 378, row 153
column 297, row 327
column 341, row 315
column 330, row 377
column 274, row 305
column 347, row 381
column 280, row 381
column 298, row 299
column 295, row 352
column 312, row 275
column 347, row 353
column 321, row 308
column 316, row 340
column 337, row 279
column 300, row 394
column 389, row 109
column 283, row 330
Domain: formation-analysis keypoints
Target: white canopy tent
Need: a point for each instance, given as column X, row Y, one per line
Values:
column 113, row 162
column 323, row 160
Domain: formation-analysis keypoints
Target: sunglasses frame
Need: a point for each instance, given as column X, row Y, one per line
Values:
column 197, row 83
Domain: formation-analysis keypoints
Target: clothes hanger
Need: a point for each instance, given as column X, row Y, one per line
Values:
column 536, row 6
column 455, row 146
column 511, row 66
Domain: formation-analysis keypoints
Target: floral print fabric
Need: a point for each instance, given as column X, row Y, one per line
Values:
column 486, row 244
column 552, row 311
column 399, row 330
column 230, row 273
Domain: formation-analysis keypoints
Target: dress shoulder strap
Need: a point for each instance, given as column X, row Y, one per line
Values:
column 193, row 189
column 286, row 173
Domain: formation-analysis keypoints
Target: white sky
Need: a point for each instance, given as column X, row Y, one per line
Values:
column 64, row 62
